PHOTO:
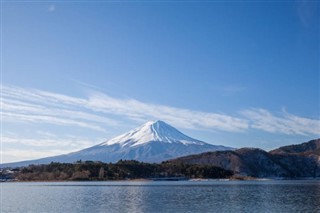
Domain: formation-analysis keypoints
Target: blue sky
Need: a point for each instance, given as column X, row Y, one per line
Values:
column 76, row 73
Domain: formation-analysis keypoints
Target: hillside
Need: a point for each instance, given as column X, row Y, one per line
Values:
column 122, row 170
column 307, row 148
column 295, row 161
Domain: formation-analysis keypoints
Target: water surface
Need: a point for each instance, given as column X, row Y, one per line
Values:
column 162, row 196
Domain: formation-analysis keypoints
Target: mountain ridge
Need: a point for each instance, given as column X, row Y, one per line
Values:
column 294, row 161
column 154, row 141
column 151, row 131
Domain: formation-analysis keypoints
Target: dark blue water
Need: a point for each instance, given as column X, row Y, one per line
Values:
column 184, row 196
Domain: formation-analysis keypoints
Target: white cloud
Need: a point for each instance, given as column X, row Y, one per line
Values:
column 285, row 124
column 179, row 117
column 98, row 112
column 231, row 90
column 41, row 106
column 69, row 143
column 16, row 117
column 41, row 97
column 51, row 8
column 307, row 12
column 44, row 144
column 46, row 134
column 15, row 155
column 29, row 105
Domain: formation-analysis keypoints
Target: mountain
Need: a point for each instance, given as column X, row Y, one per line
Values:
column 302, row 160
column 311, row 147
column 152, row 142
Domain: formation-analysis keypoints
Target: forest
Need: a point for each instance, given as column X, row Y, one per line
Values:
column 122, row 170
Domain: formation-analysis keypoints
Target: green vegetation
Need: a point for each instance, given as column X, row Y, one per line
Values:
column 123, row 169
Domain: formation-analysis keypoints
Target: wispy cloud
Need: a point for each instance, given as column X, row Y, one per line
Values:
column 51, row 8
column 16, row 117
column 99, row 111
column 15, row 155
column 29, row 105
column 42, row 144
column 68, row 143
column 284, row 123
column 179, row 117
column 232, row 90
column 307, row 12
column 45, row 107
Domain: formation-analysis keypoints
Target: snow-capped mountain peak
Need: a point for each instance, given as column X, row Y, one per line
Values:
column 150, row 132
column 155, row 141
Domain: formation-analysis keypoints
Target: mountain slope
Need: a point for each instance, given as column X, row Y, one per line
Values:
column 152, row 131
column 302, row 160
column 152, row 142
column 311, row 147
column 245, row 161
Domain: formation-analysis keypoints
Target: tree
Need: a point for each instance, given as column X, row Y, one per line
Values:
column 101, row 173
column 80, row 175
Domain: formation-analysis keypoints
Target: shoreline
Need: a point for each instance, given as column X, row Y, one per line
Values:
column 154, row 180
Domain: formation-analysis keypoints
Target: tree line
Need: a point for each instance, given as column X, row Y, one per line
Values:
column 122, row 170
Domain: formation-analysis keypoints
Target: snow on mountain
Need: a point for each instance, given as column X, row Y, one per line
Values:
column 154, row 141
column 152, row 131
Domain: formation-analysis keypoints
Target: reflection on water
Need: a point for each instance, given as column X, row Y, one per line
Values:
column 184, row 196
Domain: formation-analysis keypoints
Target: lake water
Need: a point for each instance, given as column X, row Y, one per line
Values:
column 162, row 196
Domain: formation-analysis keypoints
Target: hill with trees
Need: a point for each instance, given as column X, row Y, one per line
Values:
column 294, row 161
column 122, row 170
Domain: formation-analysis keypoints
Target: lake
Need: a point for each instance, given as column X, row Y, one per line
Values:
column 162, row 196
